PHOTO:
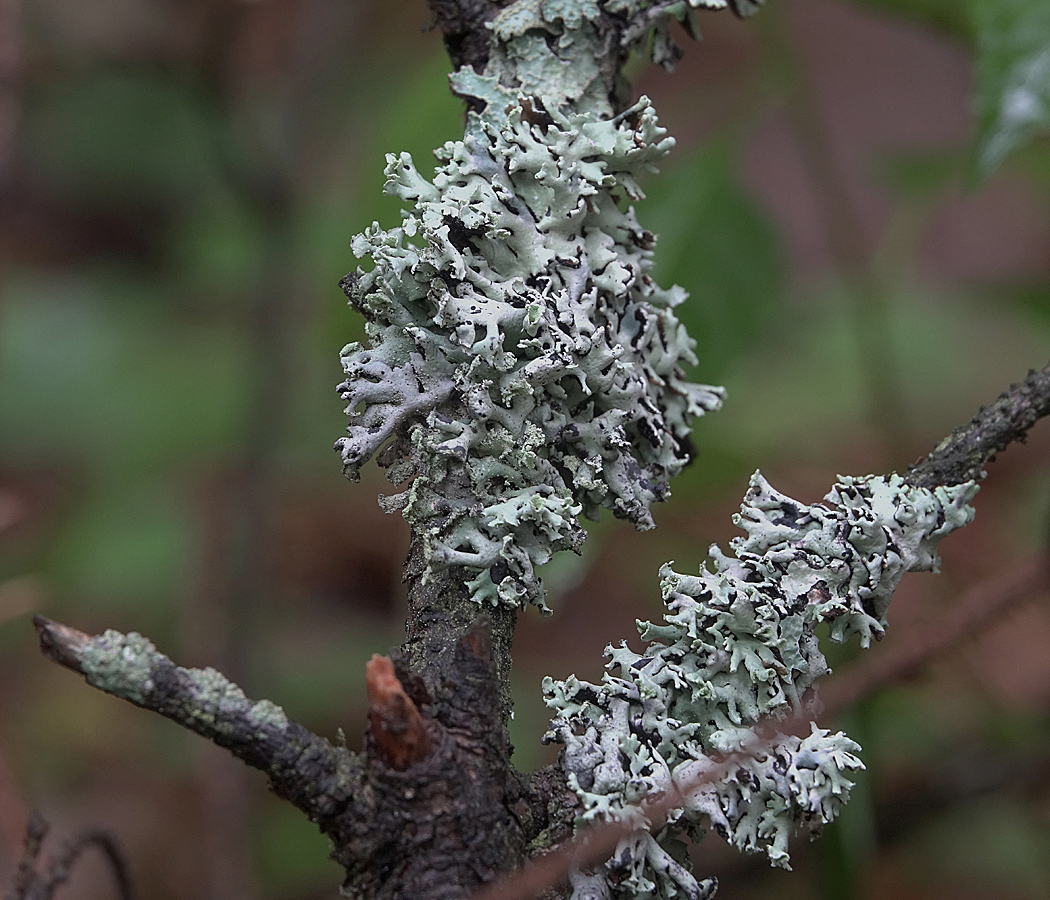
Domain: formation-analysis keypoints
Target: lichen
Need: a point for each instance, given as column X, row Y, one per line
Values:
column 738, row 646
column 123, row 665
column 523, row 368
column 119, row 664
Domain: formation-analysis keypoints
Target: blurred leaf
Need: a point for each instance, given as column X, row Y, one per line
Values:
column 118, row 135
column 1013, row 77
column 217, row 251
column 1033, row 160
column 293, row 855
column 1032, row 297
column 994, row 845
column 125, row 546
column 716, row 243
column 419, row 116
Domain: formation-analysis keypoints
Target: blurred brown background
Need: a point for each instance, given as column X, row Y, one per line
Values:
column 179, row 181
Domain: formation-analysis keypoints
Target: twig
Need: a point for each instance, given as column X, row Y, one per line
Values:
column 962, row 455
column 60, row 868
column 303, row 768
column 36, row 831
column 33, row 885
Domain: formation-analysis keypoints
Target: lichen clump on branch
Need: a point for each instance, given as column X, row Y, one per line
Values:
column 523, row 368
column 739, row 646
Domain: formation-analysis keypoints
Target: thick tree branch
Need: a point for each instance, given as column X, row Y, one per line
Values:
column 962, row 455
column 303, row 768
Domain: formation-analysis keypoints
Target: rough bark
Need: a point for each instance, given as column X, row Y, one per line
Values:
column 962, row 455
column 462, row 24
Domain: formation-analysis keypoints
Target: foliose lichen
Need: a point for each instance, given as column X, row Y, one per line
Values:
column 522, row 366
column 738, row 646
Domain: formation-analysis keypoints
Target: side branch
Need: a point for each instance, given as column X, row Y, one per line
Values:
column 962, row 455
column 303, row 768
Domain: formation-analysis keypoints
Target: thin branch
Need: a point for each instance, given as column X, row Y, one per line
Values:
column 303, row 768
column 962, row 455
column 33, row 885
column 60, row 868
column 26, row 877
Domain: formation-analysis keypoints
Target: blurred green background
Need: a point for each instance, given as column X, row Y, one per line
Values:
column 860, row 207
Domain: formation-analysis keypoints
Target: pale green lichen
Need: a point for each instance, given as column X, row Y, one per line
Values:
column 119, row 664
column 739, row 646
column 124, row 665
column 523, row 366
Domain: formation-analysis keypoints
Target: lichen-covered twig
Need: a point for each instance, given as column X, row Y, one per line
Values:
column 303, row 768
column 739, row 648
column 964, row 453
column 974, row 610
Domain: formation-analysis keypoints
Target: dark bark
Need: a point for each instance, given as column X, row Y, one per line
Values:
column 962, row 456
column 440, row 613
column 462, row 24
column 452, row 817
column 456, row 818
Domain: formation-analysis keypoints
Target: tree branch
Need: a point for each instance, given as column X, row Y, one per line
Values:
column 962, row 455
column 974, row 611
column 303, row 768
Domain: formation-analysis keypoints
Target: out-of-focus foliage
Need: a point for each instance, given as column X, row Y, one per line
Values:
column 1012, row 85
column 948, row 16
column 1013, row 76
column 703, row 217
